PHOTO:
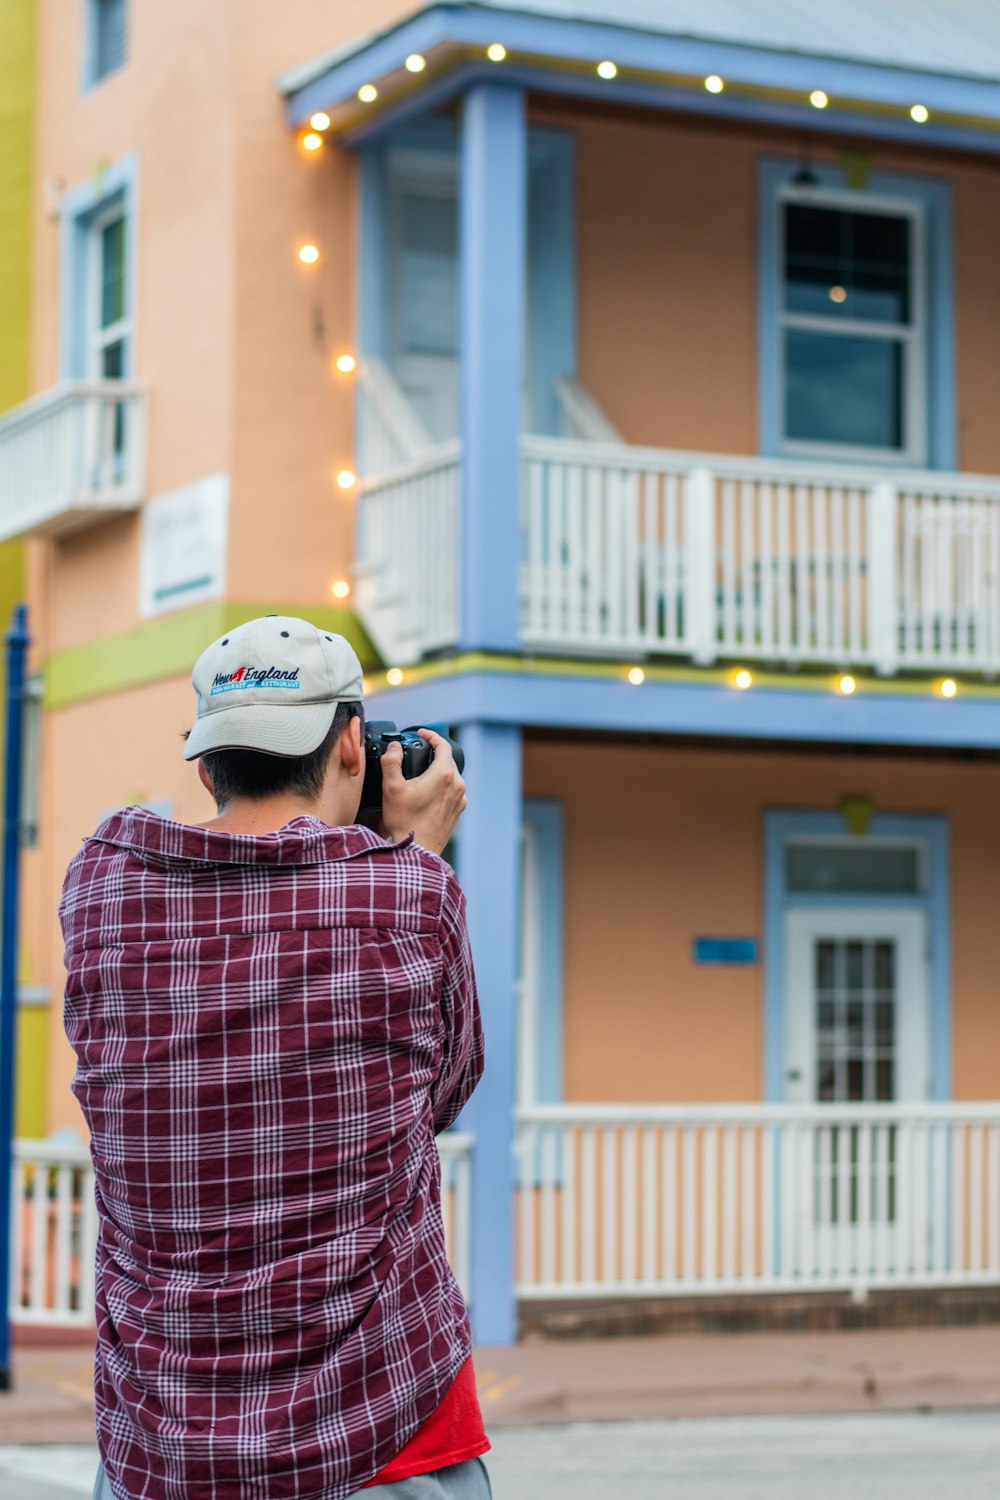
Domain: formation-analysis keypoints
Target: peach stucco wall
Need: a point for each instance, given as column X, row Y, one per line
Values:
column 667, row 274
column 662, row 845
column 240, row 381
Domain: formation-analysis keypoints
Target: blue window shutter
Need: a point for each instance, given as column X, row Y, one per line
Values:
column 109, row 52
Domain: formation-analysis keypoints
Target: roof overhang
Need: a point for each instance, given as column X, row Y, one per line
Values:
column 551, row 55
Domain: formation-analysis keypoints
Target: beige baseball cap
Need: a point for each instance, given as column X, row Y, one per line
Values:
column 273, row 685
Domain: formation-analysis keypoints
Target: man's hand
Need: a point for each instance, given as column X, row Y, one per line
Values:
column 430, row 805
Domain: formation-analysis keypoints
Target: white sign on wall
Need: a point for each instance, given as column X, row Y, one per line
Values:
column 184, row 538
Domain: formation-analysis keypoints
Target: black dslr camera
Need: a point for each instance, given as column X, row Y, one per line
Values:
column 417, row 756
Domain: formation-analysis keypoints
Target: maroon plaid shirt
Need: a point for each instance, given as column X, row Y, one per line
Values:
column 269, row 1032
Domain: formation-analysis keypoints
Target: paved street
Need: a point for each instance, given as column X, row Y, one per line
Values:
column 882, row 1456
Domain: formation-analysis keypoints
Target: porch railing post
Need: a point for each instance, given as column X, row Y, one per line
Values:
column 699, row 565
column 883, row 582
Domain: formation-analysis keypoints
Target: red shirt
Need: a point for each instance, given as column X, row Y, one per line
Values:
column 451, row 1435
column 269, row 1033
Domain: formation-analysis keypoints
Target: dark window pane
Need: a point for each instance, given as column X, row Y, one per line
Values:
column 826, row 1082
column 113, row 360
column 825, row 1019
column 884, row 1086
column 885, row 1023
column 843, row 389
column 109, row 41
column 855, row 1025
column 855, row 967
column 855, row 1080
column 885, row 954
column 847, row 265
column 852, row 870
column 825, row 973
column 112, row 273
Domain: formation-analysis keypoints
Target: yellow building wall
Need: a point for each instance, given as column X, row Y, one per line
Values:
column 17, row 97
column 666, row 844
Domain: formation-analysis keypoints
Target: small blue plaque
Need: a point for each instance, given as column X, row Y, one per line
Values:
column 725, row 950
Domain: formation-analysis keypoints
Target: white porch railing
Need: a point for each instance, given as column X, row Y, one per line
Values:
column 623, row 1202
column 706, row 555
column 633, row 551
column 54, row 1228
column 455, row 1151
column 406, row 576
column 53, row 1235
column 72, row 456
column 390, row 433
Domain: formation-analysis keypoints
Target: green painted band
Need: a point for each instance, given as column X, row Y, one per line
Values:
column 169, row 647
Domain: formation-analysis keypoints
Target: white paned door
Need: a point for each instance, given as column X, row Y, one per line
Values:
column 857, row 1033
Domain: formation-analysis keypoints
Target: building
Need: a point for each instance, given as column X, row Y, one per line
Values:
column 17, row 96
column 623, row 383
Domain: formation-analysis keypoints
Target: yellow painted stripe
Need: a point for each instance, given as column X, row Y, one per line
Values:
column 665, row 672
column 169, row 647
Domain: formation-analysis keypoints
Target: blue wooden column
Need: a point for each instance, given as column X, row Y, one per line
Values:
column 489, row 867
column 492, row 276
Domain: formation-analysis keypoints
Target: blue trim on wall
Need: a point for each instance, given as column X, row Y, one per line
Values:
column 489, row 866
column 80, row 205
column 550, row 701
column 545, row 817
column 492, row 279
column 441, row 90
column 936, row 198
column 648, row 52
column 551, row 325
column 931, row 830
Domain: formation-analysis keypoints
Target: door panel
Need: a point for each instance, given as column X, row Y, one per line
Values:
column 857, row 1033
column 856, row 1006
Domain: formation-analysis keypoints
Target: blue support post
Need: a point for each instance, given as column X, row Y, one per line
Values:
column 489, row 866
column 492, row 274
column 17, row 648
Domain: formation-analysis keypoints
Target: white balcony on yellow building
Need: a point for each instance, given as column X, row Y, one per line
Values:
column 72, row 457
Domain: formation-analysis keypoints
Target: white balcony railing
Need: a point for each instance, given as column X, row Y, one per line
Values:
column 633, row 551
column 71, row 457
column 406, row 575
column 54, row 1228
column 707, row 556
column 615, row 1201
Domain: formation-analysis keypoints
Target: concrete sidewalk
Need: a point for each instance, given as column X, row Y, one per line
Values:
column 654, row 1378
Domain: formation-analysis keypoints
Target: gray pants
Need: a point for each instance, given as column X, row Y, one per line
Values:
column 468, row 1481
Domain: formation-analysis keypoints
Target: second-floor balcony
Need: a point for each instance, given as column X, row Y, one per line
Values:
column 636, row 552
column 71, row 457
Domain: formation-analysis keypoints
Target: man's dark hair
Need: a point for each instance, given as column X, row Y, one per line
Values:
column 255, row 775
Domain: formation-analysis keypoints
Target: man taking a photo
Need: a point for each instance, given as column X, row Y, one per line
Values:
column 274, row 1013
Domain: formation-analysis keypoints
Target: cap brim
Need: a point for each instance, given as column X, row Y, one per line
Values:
column 269, row 727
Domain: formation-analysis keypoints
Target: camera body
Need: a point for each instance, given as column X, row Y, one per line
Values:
column 417, row 756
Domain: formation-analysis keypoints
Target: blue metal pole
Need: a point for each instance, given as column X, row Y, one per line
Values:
column 17, row 649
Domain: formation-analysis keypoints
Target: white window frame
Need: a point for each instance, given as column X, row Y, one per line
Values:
column 98, row 338
column 912, row 337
